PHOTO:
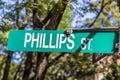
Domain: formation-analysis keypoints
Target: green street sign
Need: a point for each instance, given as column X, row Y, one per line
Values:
column 59, row 41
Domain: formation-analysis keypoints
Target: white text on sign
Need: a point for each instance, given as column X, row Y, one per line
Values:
column 84, row 42
column 39, row 40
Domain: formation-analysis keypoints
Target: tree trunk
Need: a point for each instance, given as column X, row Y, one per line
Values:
column 18, row 70
column 56, row 15
column 53, row 19
column 28, row 66
column 41, row 66
column 7, row 67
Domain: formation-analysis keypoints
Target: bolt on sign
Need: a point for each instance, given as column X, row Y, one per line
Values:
column 58, row 41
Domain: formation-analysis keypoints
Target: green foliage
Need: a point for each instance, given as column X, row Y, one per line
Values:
column 76, row 66
column 2, row 65
column 109, row 16
column 4, row 29
column 66, row 19
column 1, row 4
column 115, row 71
column 72, row 67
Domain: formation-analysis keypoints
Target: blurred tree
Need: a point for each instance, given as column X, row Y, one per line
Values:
column 52, row 15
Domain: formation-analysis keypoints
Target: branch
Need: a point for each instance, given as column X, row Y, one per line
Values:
column 19, row 67
column 102, row 7
column 17, row 13
column 37, row 24
column 28, row 66
column 48, row 16
column 56, row 15
column 118, row 4
column 55, row 59
column 25, row 21
column 7, row 66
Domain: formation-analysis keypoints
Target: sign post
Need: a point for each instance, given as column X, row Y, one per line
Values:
column 76, row 40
